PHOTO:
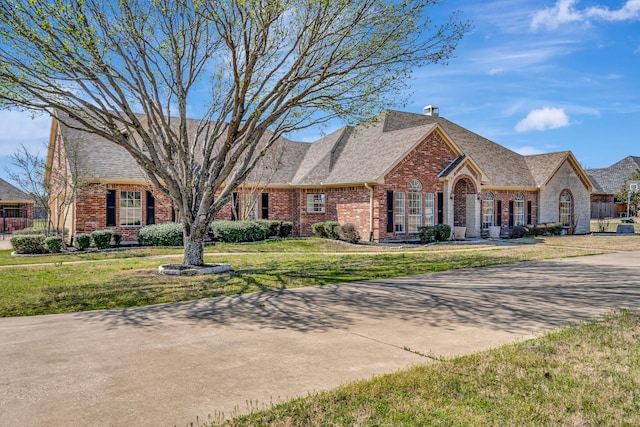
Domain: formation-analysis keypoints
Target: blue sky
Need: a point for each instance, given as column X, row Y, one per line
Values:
column 535, row 76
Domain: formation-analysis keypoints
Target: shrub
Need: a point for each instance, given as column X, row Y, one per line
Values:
column 28, row 244
column 286, row 227
column 168, row 234
column 239, row 231
column 436, row 233
column 53, row 244
column 518, row 232
column 318, row 229
column 348, row 233
column 82, row 241
column 556, row 229
column 101, row 238
column 330, row 229
column 34, row 231
column 117, row 238
column 274, row 226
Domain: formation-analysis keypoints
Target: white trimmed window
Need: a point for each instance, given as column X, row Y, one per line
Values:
column 415, row 212
column 399, row 214
column 487, row 211
column 429, row 208
column 315, row 203
column 566, row 205
column 519, row 210
column 130, row 208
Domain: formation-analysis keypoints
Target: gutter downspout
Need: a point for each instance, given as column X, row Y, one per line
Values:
column 370, row 211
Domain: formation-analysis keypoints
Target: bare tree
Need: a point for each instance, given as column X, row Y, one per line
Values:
column 259, row 68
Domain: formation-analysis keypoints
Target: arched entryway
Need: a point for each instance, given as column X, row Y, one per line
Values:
column 466, row 206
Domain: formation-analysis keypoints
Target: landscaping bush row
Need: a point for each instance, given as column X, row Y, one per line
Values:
column 550, row 229
column 333, row 230
column 40, row 243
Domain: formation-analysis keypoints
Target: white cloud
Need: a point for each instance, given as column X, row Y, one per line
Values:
column 528, row 150
column 543, row 119
column 564, row 12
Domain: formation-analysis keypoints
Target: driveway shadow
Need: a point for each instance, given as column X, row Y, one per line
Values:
column 509, row 298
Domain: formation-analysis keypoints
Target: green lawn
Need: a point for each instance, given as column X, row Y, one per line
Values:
column 129, row 278
column 583, row 376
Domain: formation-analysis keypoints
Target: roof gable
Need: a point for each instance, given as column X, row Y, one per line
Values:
column 610, row 180
column 10, row 193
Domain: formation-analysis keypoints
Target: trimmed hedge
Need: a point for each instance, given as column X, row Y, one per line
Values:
column 330, row 229
column 101, row 238
column 34, row 231
column 82, row 241
column 168, row 234
column 435, row 233
column 240, row 231
column 53, row 244
column 286, row 228
column 318, row 229
column 117, row 238
column 28, row 243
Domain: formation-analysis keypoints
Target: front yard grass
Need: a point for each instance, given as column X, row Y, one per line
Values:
column 583, row 376
column 59, row 287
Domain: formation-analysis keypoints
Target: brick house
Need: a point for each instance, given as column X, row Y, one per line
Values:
column 16, row 208
column 389, row 178
column 607, row 182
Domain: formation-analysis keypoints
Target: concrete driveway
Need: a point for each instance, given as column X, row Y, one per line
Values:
column 165, row 365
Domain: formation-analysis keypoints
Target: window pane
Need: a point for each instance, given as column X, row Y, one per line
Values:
column 130, row 208
column 519, row 210
column 415, row 212
column 565, row 208
column 429, row 209
column 399, row 219
column 487, row 211
column 315, row 203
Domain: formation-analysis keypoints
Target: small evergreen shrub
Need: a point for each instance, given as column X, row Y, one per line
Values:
column 436, row 233
column 274, row 226
column 53, row 244
column 518, row 232
column 32, row 231
column 286, row 228
column 101, row 238
column 239, row 231
column 318, row 229
column 82, row 241
column 117, row 238
column 330, row 228
column 168, row 234
column 348, row 233
column 28, row 244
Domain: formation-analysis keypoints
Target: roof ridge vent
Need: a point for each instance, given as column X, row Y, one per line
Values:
column 431, row 110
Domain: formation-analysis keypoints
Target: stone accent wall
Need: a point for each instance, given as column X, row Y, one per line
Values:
column 566, row 178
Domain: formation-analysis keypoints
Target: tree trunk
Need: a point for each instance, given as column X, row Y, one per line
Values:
column 193, row 250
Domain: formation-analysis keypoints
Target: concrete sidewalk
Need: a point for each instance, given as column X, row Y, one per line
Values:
column 165, row 365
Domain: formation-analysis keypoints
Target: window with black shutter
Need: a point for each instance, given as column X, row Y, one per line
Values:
column 499, row 214
column 390, row 211
column 265, row 205
column 111, row 208
column 151, row 208
column 510, row 213
column 529, row 209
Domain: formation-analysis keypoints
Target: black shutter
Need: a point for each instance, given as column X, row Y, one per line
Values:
column 111, row 208
column 510, row 213
column 173, row 214
column 440, row 207
column 529, row 212
column 265, row 205
column 151, row 208
column 234, row 206
column 390, row 211
column 499, row 215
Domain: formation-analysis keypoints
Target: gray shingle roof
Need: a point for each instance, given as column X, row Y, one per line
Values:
column 350, row 155
column 610, row 180
column 10, row 193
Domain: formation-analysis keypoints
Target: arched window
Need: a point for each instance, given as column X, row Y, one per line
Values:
column 519, row 210
column 487, row 211
column 415, row 206
column 566, row 207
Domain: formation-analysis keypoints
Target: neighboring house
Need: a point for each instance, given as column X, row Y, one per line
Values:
column 607, row 182
column 389, row 178
column 16, row 208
